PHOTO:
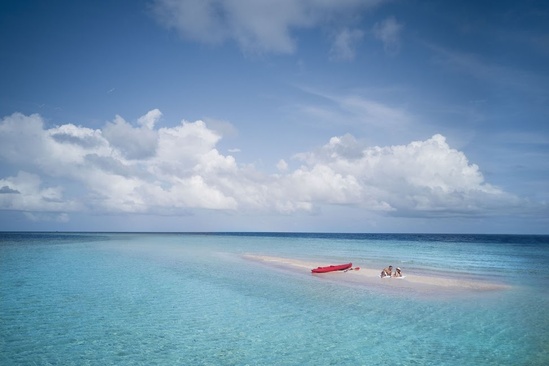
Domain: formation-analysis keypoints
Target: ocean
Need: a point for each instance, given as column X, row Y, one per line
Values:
column 198, row 299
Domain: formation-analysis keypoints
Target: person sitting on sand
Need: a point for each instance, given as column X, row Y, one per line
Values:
column 398, row 273
column 387, row 272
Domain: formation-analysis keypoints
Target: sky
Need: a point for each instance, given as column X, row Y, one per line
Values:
column 275, row 115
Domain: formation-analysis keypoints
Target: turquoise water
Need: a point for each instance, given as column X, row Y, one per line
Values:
column 192, row 299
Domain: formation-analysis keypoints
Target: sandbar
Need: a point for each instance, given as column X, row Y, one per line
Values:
column 370, row 277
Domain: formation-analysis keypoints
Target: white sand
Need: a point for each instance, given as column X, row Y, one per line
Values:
column 370, row 276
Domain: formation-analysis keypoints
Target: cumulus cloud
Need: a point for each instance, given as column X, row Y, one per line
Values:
column 8, row 190
column 180, row 169
column 134, row 142
column 26, row 192
column 256, row 25
column 388, row 31
column 424, row 177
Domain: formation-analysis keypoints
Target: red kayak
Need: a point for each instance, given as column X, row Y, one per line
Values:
column 339, row 267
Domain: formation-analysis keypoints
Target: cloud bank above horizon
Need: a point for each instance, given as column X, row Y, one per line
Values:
column 139, row 168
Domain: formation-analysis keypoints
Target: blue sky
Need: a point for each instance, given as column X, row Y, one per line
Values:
column 265, row 115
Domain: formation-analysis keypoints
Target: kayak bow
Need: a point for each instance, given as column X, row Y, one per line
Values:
column 339, row 267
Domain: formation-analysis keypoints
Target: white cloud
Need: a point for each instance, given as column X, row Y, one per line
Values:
column 374, row 112
column 22, row 139
column 282, row 165
column 343, row 47
column 256, row 25
column 183, row 170
column 388, row 32
column 422, row 177
column 8, row 190
column 150, row 119
column 27, row 193
column 133, row 143
column 225, row 128
column 357, row 110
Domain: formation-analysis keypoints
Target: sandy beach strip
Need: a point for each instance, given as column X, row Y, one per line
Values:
column 370, row 276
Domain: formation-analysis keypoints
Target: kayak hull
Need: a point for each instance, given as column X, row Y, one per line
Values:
column 333, row 268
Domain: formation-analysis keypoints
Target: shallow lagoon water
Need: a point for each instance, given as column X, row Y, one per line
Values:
column 157, row 299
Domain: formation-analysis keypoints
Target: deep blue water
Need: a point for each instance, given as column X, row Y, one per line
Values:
column 182, row 299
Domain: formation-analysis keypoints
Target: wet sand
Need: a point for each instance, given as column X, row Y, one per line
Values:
column 370, row 277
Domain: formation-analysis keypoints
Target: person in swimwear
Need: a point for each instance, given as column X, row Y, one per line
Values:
column 387, row 272
column 398, row 273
